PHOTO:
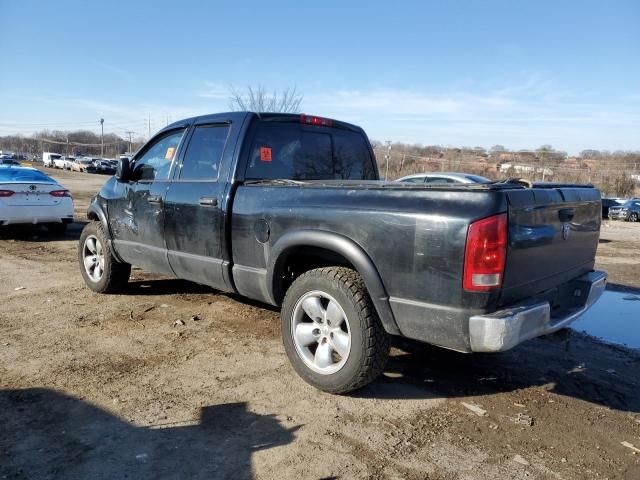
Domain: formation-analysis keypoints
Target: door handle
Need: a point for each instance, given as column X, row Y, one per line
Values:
column 154, row 199
column 208, row 202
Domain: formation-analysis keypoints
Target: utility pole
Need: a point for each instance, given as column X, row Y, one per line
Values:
column 386, row 172
column 130, row 133
column 101, row 137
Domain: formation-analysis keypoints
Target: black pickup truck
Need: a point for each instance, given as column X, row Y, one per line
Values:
column 289, row 210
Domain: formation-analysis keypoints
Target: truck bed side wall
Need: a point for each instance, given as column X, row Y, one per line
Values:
column 416, row 242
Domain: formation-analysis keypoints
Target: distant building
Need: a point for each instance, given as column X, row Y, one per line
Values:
column 505, row 167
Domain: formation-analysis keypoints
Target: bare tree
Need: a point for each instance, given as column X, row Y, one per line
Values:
column 257, row 99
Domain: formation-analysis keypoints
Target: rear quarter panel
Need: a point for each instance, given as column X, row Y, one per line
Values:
column 415, row 240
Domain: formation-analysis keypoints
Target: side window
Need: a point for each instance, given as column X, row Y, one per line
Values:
column 204, row 152
column 439, row 180
column 155, row 162
column 413, row 180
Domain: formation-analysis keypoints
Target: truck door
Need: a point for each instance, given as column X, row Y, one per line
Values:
column 194, row 219
column 136, row 216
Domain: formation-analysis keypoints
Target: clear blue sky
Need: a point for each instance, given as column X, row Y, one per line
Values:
column 517, row 73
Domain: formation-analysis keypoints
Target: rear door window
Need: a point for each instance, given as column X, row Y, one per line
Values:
column 204, row 152
column 301, row 152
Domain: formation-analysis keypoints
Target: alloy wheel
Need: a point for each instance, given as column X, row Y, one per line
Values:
column 93, row 257
column 321, row 332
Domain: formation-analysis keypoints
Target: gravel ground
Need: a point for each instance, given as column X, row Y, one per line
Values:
column 105, row 386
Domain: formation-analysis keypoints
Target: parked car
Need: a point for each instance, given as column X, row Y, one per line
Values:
column 9, row 161
column 104, row 166
column 83, row 164
column 629, row 211
column 48, row 158
column 68, row 162
column 607, row 203
column 288, row 210
column 444, row 177
column 28, row 196
column 59, row 162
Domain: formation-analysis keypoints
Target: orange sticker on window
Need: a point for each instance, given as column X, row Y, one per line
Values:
column 169, row 154
column 265, row 154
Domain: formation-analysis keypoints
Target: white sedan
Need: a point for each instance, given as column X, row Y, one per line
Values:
column 28, row 196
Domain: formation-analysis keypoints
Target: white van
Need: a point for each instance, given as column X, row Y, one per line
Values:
column 48, row 159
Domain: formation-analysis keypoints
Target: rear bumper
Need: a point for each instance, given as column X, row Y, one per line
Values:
column 37, row 214
column 507, row 328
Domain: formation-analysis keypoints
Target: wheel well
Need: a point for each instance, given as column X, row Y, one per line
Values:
column 92, row 216
column 300, row 259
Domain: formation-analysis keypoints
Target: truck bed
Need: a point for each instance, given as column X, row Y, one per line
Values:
column 417, row 240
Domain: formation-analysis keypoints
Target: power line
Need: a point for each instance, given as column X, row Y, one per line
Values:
column 130, row 133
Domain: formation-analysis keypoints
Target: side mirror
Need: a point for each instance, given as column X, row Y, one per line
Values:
column 123, row 170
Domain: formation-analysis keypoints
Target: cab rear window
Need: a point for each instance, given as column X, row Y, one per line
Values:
column 304, row 152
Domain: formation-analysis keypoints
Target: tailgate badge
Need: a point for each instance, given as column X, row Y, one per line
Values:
column 32, row 187
column 565, row 230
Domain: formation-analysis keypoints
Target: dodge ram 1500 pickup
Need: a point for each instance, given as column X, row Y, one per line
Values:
column 289, row 210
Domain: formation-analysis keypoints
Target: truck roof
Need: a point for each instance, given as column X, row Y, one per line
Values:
column 242, row 115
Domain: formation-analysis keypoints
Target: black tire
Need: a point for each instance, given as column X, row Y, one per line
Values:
column 633, row 217
column 57, row 228
column 369, row 348
column 115, row 275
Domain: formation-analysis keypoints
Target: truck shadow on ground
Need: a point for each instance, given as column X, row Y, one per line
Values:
column 567, row 363
column 46, row 434
column 164, row 286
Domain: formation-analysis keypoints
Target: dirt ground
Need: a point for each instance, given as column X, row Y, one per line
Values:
column 105, row 386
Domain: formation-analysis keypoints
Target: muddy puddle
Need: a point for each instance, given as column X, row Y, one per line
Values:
column 614, row 318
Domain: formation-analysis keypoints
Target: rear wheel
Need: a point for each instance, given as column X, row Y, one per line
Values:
column 100, row 270
column 331, row 332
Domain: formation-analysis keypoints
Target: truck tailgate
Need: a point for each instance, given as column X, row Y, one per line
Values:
column 553, row 237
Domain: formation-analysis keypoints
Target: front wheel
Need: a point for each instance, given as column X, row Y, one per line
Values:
column 633, row 217
column 100, row 270
column 331, row 332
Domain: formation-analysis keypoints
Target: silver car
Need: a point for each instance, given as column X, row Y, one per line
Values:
column 443, row 177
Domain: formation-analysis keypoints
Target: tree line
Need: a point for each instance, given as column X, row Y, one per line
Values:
column 614, row 173
column 74, row 143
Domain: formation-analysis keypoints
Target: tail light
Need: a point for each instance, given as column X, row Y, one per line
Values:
column 59, row 193
column 6, row 193
column 324, row 122
column 485, row 253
